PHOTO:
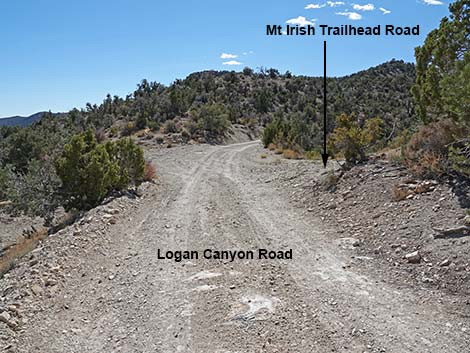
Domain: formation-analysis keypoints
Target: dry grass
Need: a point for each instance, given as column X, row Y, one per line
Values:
column 426, row 154
column 428, row 165
column 272, row 147
column 329, row 181
column 399, row 194
column 263, row 156
column 291, row 154
column 313, row 155
column 13, row 253
column 150, row 173
column 393, row 155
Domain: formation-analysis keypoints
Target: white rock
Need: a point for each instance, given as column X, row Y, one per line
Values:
column 5, row 317
column 414, row 257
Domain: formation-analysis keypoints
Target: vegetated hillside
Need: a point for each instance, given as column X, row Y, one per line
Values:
column 201, row 107
column 209, row 101
column 21, row 120
column 382, row 91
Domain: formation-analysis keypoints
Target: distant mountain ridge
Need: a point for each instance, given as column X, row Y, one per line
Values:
column 21, row 120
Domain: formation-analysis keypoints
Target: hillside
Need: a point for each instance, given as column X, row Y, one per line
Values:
column 21, row 120
column 251, row 98
column 201, row 108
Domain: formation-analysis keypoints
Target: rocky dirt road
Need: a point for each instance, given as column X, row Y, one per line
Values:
column 125, row 299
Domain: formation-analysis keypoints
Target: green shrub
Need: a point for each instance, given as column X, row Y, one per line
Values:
column 141, row 121
column 5, row 176
column 153, row 125
column 129, row 128
column 291, row 132
column 443, row 68
column 170, row 127
column 191, row 127
column 90, row 171
column 459, row 157
column 130, row 159
column 213, row 119
column 35, row 193
column 313, row 155
column 271, row 131
column 352, row 140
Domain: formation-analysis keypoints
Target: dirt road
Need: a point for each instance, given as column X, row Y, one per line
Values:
column 211, row 197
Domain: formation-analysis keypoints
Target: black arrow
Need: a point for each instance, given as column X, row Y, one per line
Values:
column 324, row 155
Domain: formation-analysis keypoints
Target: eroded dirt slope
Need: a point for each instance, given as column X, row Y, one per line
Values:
column 99, row 287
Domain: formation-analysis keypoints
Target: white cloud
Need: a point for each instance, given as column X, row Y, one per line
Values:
column 385, row 11
column 353, row 16
column 228, row 56
column 232, row 63
column 334, row 3
column 314, row 6
column 433, row 2
column 301, row 21
column 367, row 7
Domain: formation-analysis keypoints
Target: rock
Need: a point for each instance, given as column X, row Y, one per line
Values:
column 5, row 317
column 414, row 257
column 139, row 192
column 36, row 289
column 112, row 211
column 467, row 220
column 51, row 282
column 444, row 263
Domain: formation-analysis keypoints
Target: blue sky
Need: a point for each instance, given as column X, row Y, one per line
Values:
column 57, row 54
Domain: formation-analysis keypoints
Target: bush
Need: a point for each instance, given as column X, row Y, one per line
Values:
column 153, row 125
column 213, row 120
column 191, row 128
column 35, row 193
column 129, row 129
column 291, row 132
column 270, row 132
column 5, row 176
column 170, row 127
column 130, row 160
column 141, row 121
column 313, row 155
column 329, row 181
column 90, row 171
column 459, row 157
column 352, row 140
column 427, row 152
